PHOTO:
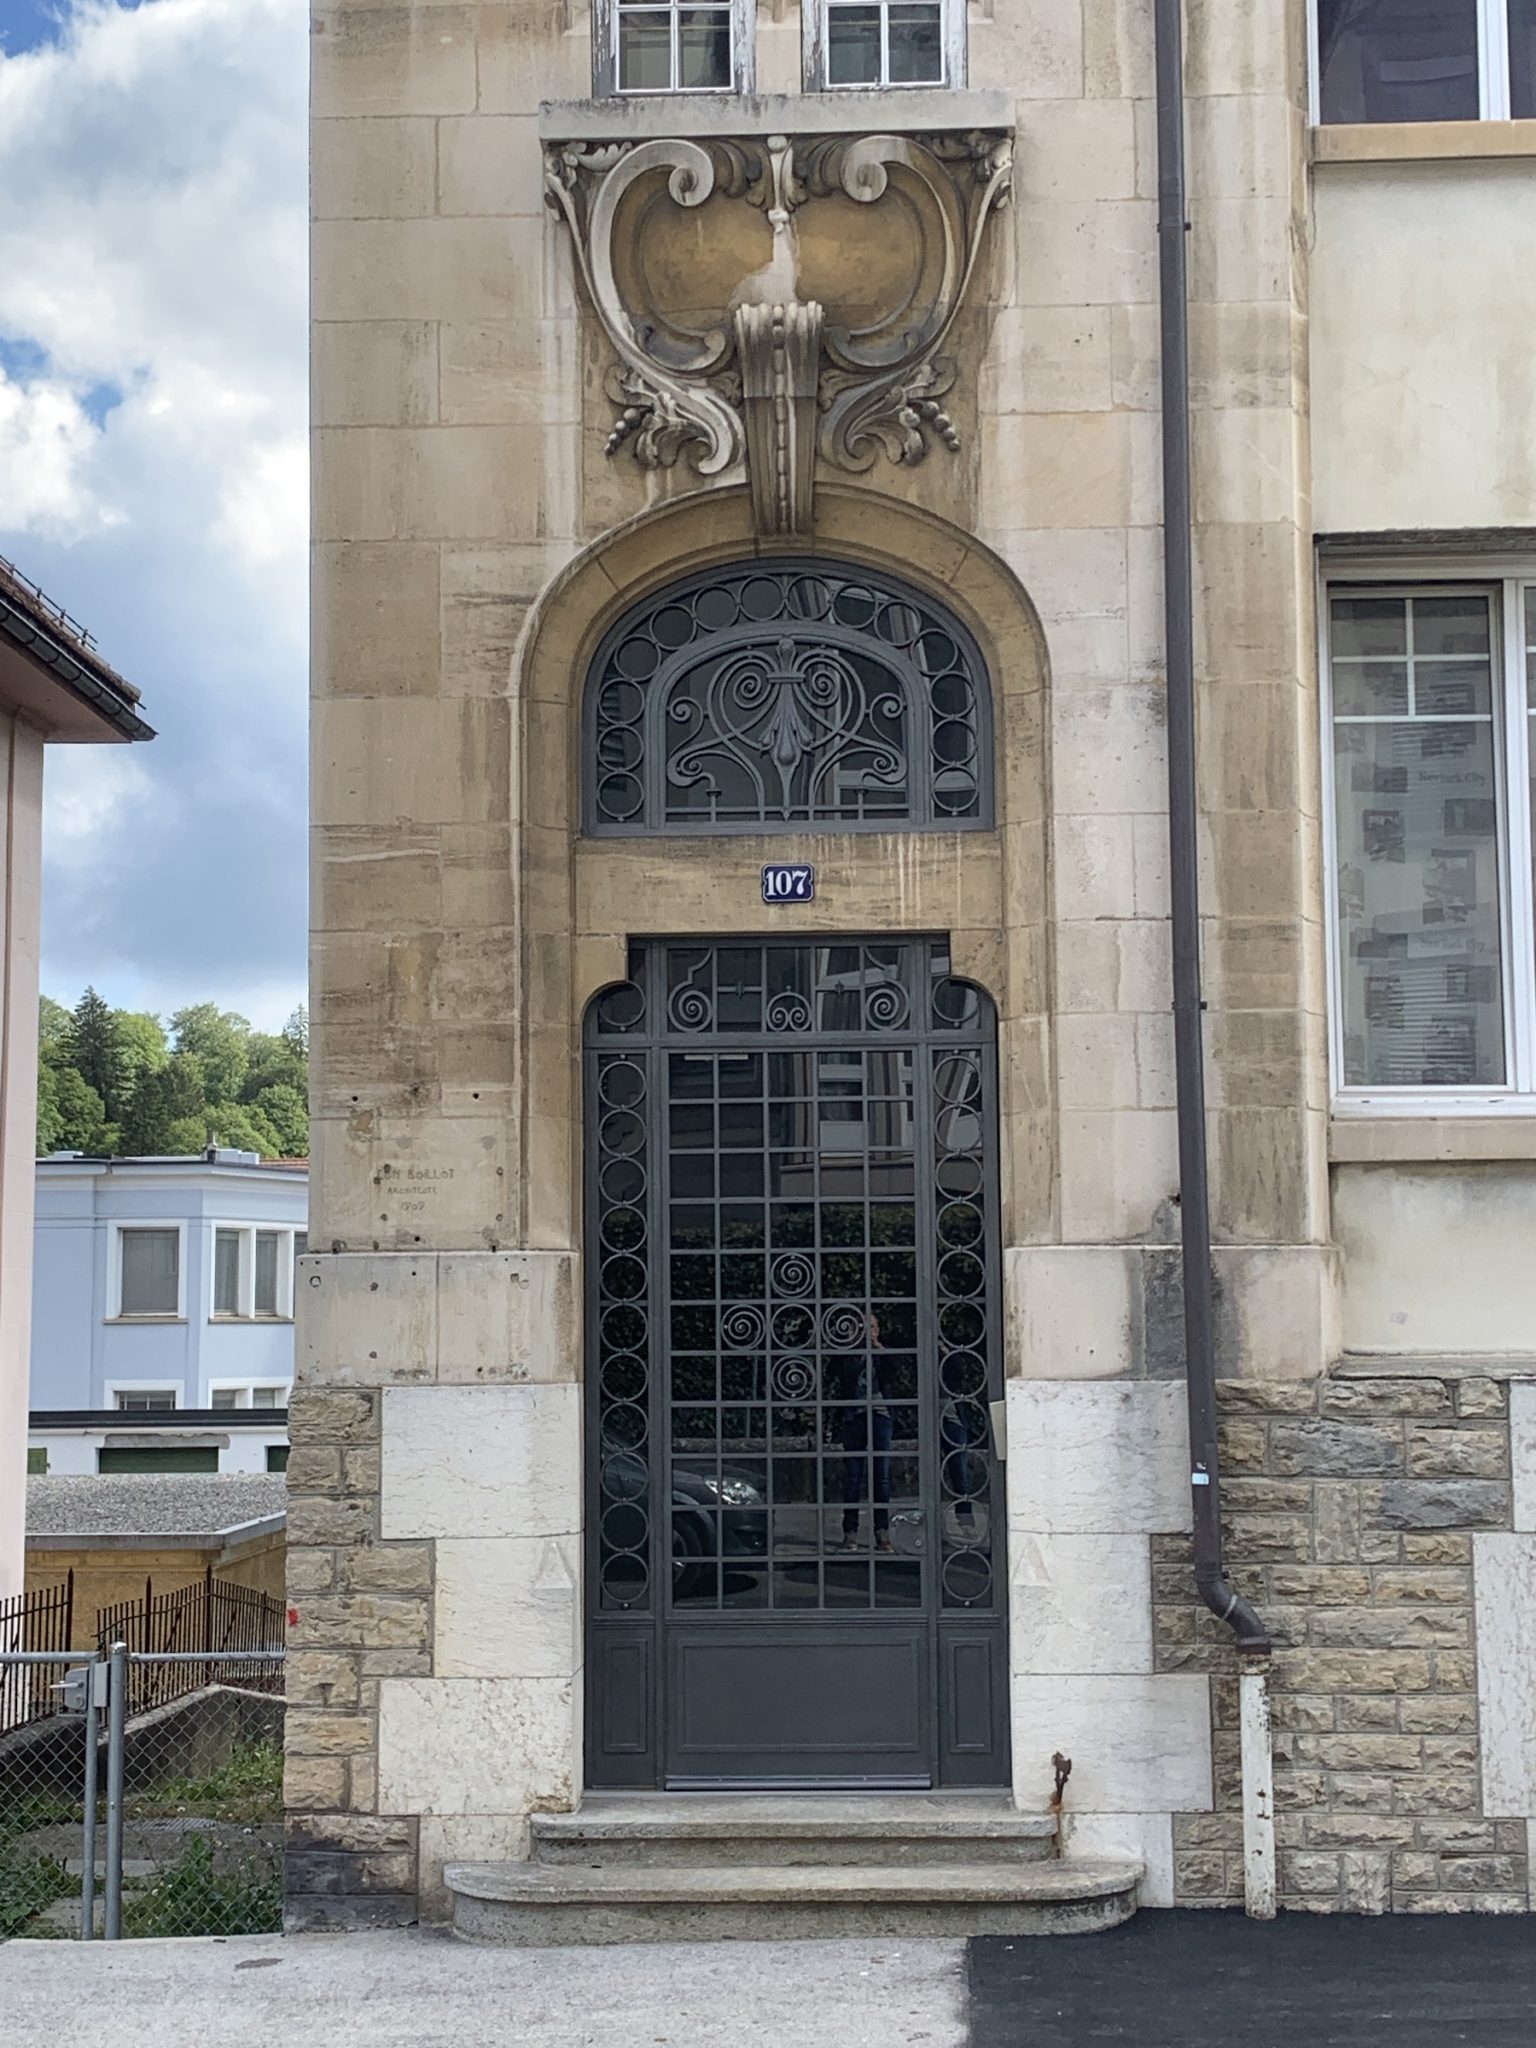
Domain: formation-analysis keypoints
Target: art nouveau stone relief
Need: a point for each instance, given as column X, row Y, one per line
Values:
column 759, row 325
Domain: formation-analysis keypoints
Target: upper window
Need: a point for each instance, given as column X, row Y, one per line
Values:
column 645, row 46
column 144, row 1400
column 884, row 42
column 253, row 1271
column 783, row 695
column 1433, row 689
column 149, row 1272
column 1425, row 60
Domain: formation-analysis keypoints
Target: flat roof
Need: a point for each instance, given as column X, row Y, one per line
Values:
column 213, row 1506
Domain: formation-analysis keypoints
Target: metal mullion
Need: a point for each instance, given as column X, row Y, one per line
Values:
column 1519, row 976
column 1493, row 59
column 885, row 42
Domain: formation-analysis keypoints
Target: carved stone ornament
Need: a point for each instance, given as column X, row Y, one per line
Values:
column 831, row 345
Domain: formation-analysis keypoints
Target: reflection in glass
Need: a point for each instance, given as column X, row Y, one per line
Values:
column 1417, row 842
column 1398, row 60
column 1522, row 59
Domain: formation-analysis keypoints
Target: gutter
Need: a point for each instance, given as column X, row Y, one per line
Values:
column 49, row 652
column 1211, row 1582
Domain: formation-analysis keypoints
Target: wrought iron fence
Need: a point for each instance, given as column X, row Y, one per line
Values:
column 172, row 1639
column 147, row 1800
column 38, row 1621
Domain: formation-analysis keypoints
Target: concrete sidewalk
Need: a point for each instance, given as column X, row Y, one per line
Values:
column 422, row 1990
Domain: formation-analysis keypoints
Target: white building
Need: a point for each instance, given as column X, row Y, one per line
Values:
column 163, row 1286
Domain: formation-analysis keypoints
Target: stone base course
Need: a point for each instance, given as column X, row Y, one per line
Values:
column 1351, row 1508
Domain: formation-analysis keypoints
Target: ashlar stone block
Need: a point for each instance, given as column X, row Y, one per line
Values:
column 1097, row 1456
column 508, row 1607
column 1137, row 1744
column 1504, row 1575
column 476, row 1461
column 1081, row 1604
column 478, row 1746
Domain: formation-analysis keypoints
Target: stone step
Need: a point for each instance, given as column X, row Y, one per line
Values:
column 694, row 1829
column 541, row 1905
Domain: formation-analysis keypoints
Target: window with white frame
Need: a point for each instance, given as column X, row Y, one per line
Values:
column 253, row 1272
column 884, row 42
column 1424, row 60
column 1432, row 693
column 148, row 1271
column 229, row 1394
column 670, row 46
column 144, row 1400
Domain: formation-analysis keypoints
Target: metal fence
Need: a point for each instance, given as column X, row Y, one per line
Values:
column 146, row 1797
column 41, row 1620
column 164, row 1632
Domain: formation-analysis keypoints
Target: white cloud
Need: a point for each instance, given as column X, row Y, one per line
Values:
column 152, row 411
column 46, row 440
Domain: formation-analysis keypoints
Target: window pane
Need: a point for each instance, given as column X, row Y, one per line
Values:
column 265, row 1397
column 1522, row 59
column 149, row 1273
column 143, row 1401
column 224, row 1397
column 645, row 51
column 1418, row 856
column 916, row 55
column 853, row 46
column 1398, row 60
column 267, row 1242
column 704, row 48
column 226, row 1273
column 277, row 1457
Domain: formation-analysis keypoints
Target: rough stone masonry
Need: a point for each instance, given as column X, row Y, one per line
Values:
column 1354, row 1506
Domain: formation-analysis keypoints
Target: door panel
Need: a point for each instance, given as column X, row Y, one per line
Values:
column 794, row 1339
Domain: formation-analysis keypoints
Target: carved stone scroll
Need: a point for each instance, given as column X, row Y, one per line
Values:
column 830, row 347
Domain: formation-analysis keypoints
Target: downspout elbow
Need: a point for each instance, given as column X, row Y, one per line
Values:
column 1229, row 1606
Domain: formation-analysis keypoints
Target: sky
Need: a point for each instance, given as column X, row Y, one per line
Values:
column 153, row 479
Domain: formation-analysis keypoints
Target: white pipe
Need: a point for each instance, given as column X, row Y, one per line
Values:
column 1258, row 1792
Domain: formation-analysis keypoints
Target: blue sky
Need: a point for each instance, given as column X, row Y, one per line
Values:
column 152, row 402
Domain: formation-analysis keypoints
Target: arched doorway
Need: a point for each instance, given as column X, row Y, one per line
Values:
column 797, row 1569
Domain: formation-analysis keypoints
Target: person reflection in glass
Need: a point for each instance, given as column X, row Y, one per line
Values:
column 862, row 1379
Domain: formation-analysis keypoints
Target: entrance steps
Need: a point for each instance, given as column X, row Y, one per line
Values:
column 692, row 1867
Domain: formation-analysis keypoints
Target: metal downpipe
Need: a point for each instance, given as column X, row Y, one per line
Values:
column 1219, row 1595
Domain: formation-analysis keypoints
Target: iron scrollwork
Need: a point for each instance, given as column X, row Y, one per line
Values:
column 776, row 377
column 767, row 696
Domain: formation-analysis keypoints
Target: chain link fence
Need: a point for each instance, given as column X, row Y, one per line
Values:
column 143, row 1796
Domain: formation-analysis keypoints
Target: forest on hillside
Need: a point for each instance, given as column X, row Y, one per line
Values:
column 126, row 1082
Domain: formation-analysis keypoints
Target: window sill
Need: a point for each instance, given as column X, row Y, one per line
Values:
column 133, row 1322
column 1409, row 142
column 240, row 1322
column 845, row 110
column 1457, row 1139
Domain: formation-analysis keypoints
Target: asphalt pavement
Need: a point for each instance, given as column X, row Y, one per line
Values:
column 1218, row 1980
column 1167, row 1980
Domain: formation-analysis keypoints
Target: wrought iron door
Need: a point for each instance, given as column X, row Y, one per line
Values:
column 796, row 1515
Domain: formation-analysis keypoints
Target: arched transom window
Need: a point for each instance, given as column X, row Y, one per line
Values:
column 776, row 695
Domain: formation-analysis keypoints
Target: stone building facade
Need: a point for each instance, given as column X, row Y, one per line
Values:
column 644, row 362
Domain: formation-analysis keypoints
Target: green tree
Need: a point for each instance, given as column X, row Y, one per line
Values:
column 144, row 1045
column 70, row 1117
column 296, row 1031
column 244, row 1126
column 94, row 1046
column 221, row 1041
column 52, row 1024
column 164, row 1097
column 288, row 1114
column 272, row 1062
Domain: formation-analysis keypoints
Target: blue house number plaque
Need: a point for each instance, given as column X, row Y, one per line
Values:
column 789, row 882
